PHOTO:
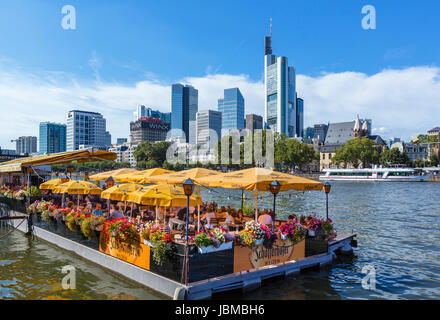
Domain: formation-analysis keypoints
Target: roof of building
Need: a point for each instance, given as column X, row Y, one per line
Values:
column 330, row 148
column 339, row 133
column 377, row 140
column 434, row 129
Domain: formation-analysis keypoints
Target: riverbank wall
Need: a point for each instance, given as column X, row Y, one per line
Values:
column 315, row 176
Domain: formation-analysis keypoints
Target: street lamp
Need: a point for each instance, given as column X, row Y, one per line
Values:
column 327, row 187
column 188, row 188
column 110, row 182
column 275, row 187
column 70, row 169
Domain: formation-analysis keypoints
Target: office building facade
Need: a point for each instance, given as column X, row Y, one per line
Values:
column 231, row 107
column 320, row 131
column 148, row 129
column 208, row 127
column 26, row 145
column 280, row 112
column 85, row 129
column 147, row 112
column 52, row 137
column 184, row 107
column 254, row 122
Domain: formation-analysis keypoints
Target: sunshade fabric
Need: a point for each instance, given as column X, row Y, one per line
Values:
column 120, row 192
column 180, row 177
column 102, row 176
column 51, row 184
column 141, row 176
column 77, row 187
column 259, row 179
column 163, row 195
column 85, row 155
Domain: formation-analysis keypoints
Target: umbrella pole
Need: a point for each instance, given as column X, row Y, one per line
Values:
column 256, row 207
column 108, row 208
column 198, row 218
column 77, row 201
column 156, row 214
column 62, row 201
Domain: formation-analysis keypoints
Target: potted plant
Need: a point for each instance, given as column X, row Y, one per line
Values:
column 291, row 230
column 215, row 240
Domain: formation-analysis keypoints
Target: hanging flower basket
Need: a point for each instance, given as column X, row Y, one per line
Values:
column 283, row 236
column 148, row 243
column 223, row 246
column 311, row 233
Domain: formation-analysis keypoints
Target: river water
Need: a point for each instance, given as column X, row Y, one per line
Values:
column 397, row 227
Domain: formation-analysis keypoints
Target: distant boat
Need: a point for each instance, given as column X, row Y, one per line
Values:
column 376, row 174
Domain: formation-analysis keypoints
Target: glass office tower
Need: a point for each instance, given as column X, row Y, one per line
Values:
column 232, row 108
column 52, row 137
column 184, row 107
column 280, row 114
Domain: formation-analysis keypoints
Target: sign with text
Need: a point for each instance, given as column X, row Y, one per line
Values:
column 246, row 258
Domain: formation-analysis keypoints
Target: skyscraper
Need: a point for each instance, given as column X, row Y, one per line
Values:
column 208, row 124
column 280, row 114
column 85, row 129
column 232, row 108
column 52, row 137
column 184, row 107
column 26, row 145
column 299, row 117
column 254, row 122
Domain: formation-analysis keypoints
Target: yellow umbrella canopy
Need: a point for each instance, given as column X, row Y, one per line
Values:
column 77, row 187
column 180, row 177
column 102, row 176
column 52, row 184
column 141, row 176
column 254, row 179
column 163, row 195
column 120, row 192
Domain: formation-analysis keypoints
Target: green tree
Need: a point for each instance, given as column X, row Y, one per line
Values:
column 433, row 159
column 356, row 152
column 394, row 156
column 424, row 138
column 151, row 155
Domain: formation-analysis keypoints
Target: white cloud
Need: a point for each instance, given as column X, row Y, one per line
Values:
column 401, row 103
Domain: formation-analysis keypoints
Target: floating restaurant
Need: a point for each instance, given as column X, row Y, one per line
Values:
column 153, row 227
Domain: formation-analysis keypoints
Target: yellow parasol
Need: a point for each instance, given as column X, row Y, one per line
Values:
column 180, row 177
column 141, row 176
column 258, row 180
column 102, row 176
column 120, row 192
column 77, row 187
column 52, row 184
column 163, row 195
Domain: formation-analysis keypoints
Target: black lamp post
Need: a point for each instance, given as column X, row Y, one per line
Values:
column 188, row 188
column 275, row 187
column 110, row 182
column 327, row 187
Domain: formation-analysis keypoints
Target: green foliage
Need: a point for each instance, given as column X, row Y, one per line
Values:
column 433, row 160
column 424, row 138
column 151, row 155
column 248, row 209
column 357, row 151
column 394, row 156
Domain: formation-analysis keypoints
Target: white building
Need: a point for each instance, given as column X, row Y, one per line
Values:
column 125, row 152
column 87, row 129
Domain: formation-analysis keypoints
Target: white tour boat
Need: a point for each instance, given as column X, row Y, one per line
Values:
column 375, row 174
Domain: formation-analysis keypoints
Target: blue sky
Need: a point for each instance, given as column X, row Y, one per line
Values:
column 124, row 43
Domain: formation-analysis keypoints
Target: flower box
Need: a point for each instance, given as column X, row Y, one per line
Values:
column 223, row 246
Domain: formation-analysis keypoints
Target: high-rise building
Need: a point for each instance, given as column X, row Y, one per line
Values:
column 85, row 129
column 121, row 140
column 299, row 117
column 26, row 145
column 320, row 132
column 139, row 113
column 148, row 129
column 147, row 112
column 309, row 133
column 52, row 137
column 108, row 139
column 184, row 107
column 254, row 122
column 280, row 114
column 232, row 108
column 208, row 127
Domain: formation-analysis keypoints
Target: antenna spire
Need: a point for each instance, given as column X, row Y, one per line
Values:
column 270, row 27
